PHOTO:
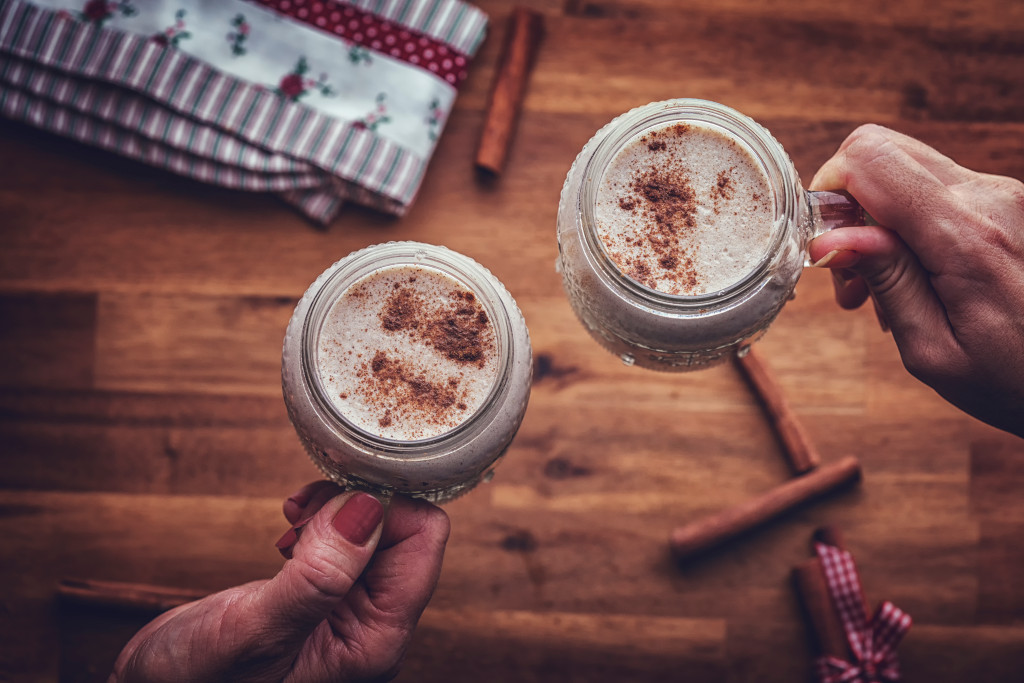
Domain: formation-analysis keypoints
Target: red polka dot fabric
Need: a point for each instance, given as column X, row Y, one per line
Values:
column 372, row 32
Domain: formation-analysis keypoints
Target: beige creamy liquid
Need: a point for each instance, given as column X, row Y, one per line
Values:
column 685, row 209
column 407, row 353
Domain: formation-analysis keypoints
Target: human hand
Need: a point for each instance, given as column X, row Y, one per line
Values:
column 343, row 607
column 946, row 272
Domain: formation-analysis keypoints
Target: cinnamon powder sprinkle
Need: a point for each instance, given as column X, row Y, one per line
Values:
column 398, row 384
column 400, row 311
column 459, row 328
column 656, row 228
column 665, row 204
column 723, row 188
column 456, row 326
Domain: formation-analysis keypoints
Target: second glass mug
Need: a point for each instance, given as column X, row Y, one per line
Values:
column 663, row 331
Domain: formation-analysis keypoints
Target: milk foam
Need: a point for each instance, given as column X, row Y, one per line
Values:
column 407, row 352
column 685, row 209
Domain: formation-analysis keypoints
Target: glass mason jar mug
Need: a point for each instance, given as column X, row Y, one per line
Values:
column 682, row 231
column 406, row 367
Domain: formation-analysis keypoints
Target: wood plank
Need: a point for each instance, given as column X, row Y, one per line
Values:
column 989, row 14
column 207, row 542
column 977, row 653
column 46, row 340
column 1000, row 558
column 997, row 474
column 560, row 646
column 167, row 343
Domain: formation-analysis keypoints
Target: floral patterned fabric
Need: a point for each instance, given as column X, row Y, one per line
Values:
column 379, row 82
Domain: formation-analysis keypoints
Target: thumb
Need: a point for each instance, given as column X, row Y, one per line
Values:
column 333, row 549
column 899, row 284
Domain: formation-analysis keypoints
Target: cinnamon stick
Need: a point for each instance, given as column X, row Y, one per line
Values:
column 709, row 532
column 800, row 452
column 812, row 593
column 519, row 52
column 131, row 596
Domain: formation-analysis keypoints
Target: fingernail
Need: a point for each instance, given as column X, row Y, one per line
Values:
column 303, row 495
column 841, row 278
column 289, row 539
column 285, row 543
column 837, row 258
column 296, row 502
column 358, row 518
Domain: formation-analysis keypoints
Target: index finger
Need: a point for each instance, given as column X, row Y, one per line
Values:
column 898, row 191
column 405, row 569
column 945, row 170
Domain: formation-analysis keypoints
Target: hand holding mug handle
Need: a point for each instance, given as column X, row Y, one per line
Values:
column 943, row 265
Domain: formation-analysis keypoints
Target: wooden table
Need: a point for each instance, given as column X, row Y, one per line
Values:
column 143, row 435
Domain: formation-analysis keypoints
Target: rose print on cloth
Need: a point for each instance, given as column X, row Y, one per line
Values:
column 98, row 11
column 434, row 117
column 237, row 38
column 175, row 33
column 359, row 55
column 375, row 118
column 388, row 67
column 296, row 84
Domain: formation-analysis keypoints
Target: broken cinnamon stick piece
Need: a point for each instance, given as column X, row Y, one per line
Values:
column 709, row 532
column 519, row 52
column 800, row 452
column 812, row 592
column 133, row 596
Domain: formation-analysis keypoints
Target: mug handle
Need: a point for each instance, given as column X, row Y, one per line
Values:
column 834, row 209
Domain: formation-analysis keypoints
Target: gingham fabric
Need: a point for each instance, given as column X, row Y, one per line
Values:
column 320, row 102
column 873, row 643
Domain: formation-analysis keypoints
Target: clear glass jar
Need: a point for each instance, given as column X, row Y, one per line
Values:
column 437, row 468
column 663, row 331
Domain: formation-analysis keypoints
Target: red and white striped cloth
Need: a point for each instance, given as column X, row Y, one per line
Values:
column 873, row 643
column 319, row 102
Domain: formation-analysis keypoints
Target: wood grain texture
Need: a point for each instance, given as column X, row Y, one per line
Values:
column 143, row 437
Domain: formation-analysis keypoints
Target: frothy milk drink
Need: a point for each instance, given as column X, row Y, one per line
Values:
column 406, row 367
column 684, row 209
column 681, row 227
column 407, row 353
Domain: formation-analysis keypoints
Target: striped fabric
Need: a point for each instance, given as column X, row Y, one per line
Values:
column 458, row 25
column 436, row 26
column 156, row 104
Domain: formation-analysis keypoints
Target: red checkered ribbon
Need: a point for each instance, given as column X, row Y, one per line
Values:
column 873, row 643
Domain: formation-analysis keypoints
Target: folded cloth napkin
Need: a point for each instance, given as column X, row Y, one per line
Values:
column 320, row 102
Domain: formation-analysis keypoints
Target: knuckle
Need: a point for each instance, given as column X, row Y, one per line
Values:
column 991, row 211
column 995, row 234
column 886, row 276
column 867, row 137
column 867, row 144
column 319, row 570
column 1014, row 190
column 437, row 524
column 871, row 132
column 429, row 523
column 435, row 527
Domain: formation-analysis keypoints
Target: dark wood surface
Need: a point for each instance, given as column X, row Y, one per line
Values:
column 143, row 435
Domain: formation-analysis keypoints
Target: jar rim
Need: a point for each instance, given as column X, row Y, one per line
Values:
column 362, row 263
column 754, row 137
